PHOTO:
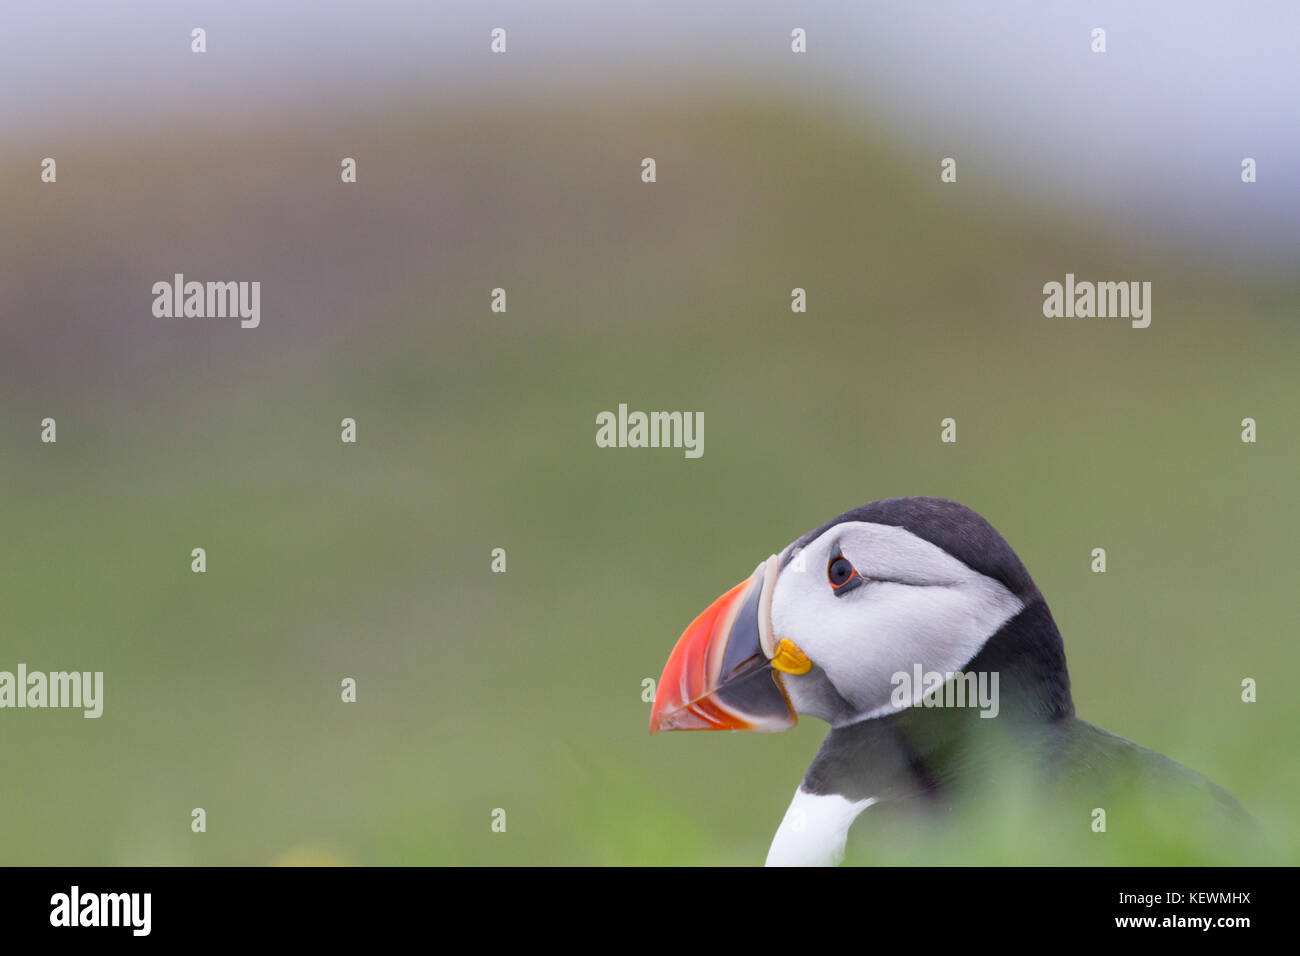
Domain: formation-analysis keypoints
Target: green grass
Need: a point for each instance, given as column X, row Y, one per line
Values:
column 522, row 691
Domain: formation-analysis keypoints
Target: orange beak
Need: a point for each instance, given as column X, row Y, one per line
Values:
column 720, row 676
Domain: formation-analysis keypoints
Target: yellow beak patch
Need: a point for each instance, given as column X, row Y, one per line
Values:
column 790, row 659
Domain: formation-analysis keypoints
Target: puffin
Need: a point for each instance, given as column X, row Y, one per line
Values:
column 912, row 628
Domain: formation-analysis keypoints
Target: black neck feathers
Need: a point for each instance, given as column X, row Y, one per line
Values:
column 923, row 750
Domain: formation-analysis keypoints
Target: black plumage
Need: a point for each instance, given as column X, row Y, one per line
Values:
column 929, row 757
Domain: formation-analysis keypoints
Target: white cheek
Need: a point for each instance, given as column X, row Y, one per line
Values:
column 863, row 638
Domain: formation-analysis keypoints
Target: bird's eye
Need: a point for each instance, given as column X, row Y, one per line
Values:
column 843, row 576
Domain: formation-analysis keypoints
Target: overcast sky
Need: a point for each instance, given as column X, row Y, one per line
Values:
column 1159, row 123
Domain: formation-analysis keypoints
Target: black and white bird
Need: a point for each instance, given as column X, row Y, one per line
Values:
column 837, row 626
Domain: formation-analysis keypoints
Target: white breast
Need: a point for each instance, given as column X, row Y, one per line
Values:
column 814, row 829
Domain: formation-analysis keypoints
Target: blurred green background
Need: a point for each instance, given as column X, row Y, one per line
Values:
column 522, row 690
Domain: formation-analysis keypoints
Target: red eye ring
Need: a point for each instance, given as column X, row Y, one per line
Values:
column 842, row 575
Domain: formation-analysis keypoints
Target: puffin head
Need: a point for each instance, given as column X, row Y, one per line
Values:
column 823, row 627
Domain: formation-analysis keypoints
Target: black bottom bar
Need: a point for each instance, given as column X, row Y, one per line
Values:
column 308, row 905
